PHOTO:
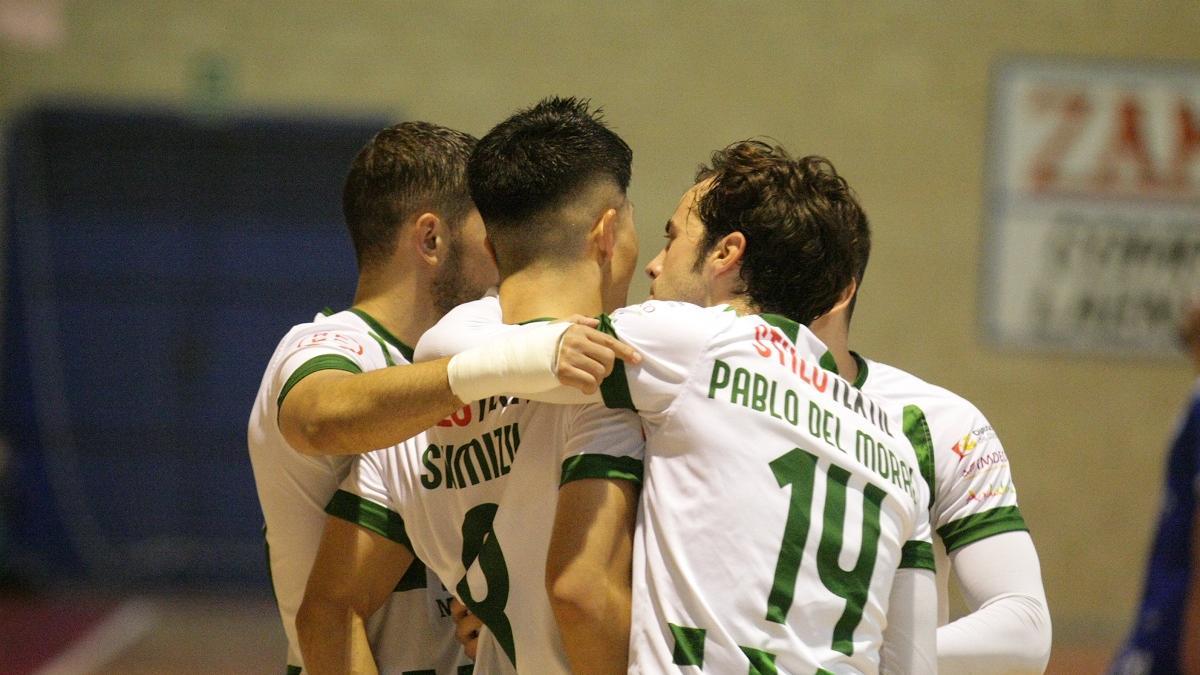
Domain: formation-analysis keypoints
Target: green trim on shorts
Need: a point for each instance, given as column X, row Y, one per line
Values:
column 313, row 365
column 369, row 516
column 689, row 645
column 917, row 555
column 958, row 533
column 601, row 466
column 916, row 430
column 615, row 388
column 762, row 662
column 405, row 350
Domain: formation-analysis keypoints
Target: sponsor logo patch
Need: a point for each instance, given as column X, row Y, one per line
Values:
column 990, row 492
column 330, row 339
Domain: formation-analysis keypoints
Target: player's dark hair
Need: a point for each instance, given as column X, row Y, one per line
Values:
column 405, row 170
column 806, row 235
column 536, row 162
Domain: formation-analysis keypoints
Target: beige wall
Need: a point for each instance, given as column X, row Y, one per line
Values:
column 894, row 92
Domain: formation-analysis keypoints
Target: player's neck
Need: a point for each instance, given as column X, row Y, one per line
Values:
column 835, row 334
column 540, row 292
column 399, row 303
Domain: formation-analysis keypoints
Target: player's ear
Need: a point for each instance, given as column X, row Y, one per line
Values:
column 602, row 236
column 845, row 297
column 429, row 238
column 727, row 255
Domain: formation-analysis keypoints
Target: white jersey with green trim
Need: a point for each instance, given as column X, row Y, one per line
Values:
column 470, row 500
column 413, row 631
column 961, row 458
column 778, row 501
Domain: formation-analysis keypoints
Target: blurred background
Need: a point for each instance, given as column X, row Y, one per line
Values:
column 171, row 203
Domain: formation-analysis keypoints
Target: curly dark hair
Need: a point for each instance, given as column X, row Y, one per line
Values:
column 405, row 170
column 806, row 234
column 536, row 161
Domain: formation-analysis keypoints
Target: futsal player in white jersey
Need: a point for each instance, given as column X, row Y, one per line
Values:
column 979, row 532
column 783, row 524
column 482, row 494
column 329, row 390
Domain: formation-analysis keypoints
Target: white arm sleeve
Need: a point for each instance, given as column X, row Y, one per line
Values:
column 1001, row 581
column 909, row 643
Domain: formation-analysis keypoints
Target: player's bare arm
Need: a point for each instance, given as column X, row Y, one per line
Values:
column 588, row 572
column 354, row 573
column 334, row 412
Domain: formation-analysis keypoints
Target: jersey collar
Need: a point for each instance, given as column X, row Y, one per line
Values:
column 790, row 328
column 828, row 363
column 384, row 333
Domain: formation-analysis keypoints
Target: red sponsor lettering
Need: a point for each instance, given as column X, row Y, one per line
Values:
column 329, row 339
column 770, row 341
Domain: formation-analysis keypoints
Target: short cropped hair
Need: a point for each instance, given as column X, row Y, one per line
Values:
column 806, row 234
column 405, row 170
column 536, row 162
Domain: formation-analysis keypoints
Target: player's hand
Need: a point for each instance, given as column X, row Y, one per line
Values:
column 466, row 627
column 589, row 321
column 586, row 356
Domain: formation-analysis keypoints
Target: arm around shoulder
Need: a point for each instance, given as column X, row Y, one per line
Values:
column 333, row 412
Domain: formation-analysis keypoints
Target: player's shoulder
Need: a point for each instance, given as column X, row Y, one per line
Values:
column 327, row 326
column 902, row 387
column 461, row 328
column 662, row 311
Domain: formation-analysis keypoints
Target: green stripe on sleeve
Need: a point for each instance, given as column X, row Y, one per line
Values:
column 369, row 516
column 601, row 466
column 917, row 555
column 958, row 533
column 916, row 429
column 315, row 364
column 615, row 388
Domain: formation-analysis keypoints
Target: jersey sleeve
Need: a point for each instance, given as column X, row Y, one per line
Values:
column 603, row 443
column 363, row 499
column 671, row 337
column 917, row 552
column 320, row 348
column 975, row 497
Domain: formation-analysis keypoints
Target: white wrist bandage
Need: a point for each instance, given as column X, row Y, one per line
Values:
column 518, row 364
